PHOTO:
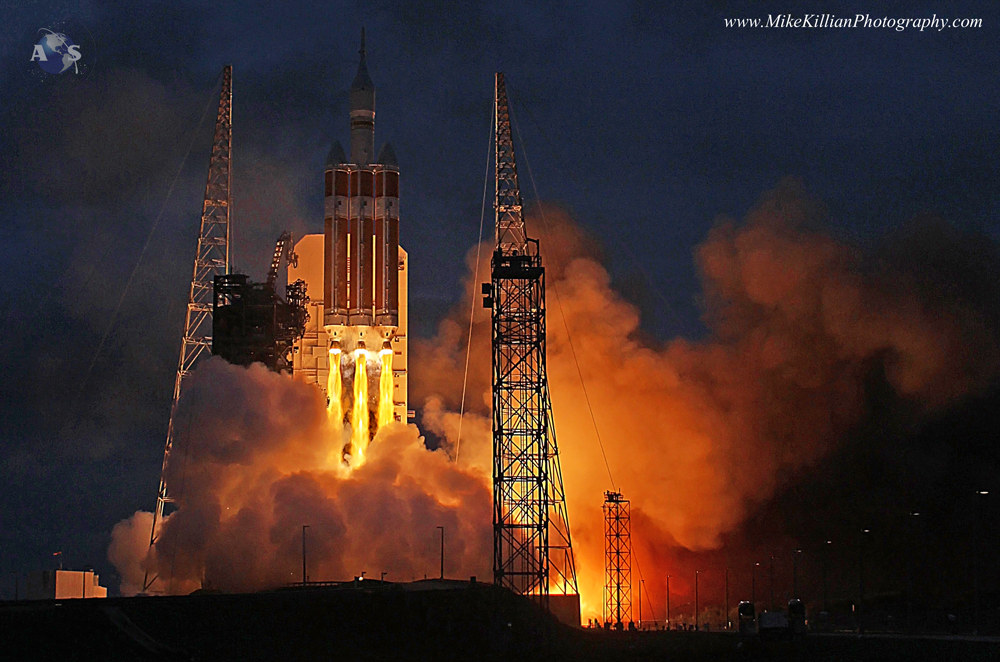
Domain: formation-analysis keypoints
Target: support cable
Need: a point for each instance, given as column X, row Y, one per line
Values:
column 562, row 314
column 642, row 580
column 472, row 304
column 142, row 253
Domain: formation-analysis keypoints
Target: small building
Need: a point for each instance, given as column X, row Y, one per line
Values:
column 63, row 585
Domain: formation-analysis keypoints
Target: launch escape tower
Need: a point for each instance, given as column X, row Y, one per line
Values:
column 532, row 550
column 617, row 560
column 211, row 260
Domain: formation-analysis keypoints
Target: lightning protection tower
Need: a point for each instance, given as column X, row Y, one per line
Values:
column 532, row 549
column 617, row 560
column 211, row 260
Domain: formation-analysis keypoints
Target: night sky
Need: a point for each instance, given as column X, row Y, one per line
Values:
column 645, row 123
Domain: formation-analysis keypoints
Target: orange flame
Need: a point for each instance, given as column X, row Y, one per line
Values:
column 359, row 414
column 385, row 389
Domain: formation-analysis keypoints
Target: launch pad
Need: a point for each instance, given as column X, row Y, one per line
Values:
column 341, row 325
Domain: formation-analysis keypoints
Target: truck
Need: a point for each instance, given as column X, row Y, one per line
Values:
column 747, row 618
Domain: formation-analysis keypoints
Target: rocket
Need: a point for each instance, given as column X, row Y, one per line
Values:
column 355, row 347
column 361, row 228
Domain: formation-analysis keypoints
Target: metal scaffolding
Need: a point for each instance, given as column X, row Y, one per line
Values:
column 532, row 548
column 212, row 259
column 617, row 561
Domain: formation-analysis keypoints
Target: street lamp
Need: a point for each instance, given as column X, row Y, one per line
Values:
column 668, row 601
column 795, row 574
column 728, row 622
column 826, row 562
column 861, row 577
column 909, row 570
column 304, row 527
column 975, row 558
column 753, row 585
column 696, row 573
column 642, row 584
column 442, row 551
column 772, row 583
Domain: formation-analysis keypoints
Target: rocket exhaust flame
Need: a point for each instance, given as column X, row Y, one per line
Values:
column 351, row 455
column 334, row 399
column 359, row 414
column 385, row 387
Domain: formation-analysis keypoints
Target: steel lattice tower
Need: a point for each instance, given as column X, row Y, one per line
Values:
column 532, row 549
column 212, row 259
column 617, row 560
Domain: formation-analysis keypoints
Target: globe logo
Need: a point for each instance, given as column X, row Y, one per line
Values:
column 56, row 53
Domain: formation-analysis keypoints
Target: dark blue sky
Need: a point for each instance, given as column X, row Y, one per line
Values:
column 645, row 120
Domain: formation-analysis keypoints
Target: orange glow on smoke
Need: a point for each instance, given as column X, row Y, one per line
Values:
column 697, row 433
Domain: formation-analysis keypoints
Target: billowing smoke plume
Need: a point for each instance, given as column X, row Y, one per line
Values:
column 698, row 433
column 255, row 459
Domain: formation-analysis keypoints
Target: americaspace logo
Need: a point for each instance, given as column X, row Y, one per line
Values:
column 58, row 51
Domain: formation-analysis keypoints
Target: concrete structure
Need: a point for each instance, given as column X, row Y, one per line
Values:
column 63, row 585
column 355, row 272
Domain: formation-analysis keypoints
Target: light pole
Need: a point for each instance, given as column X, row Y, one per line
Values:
column 772, row 583
column 304, row 527
column 382, row 578
column 861, row 577
column 826, row 562
column 795, row 574
column 668, row 601
column 728, row 622
column 909, row 570
column 642, row 584
column 442, row 551
column 753, row 585
column 975, row 558
column 696, row 573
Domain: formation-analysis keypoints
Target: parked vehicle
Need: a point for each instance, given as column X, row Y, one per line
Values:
column 748, row 618
column 796, row 616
